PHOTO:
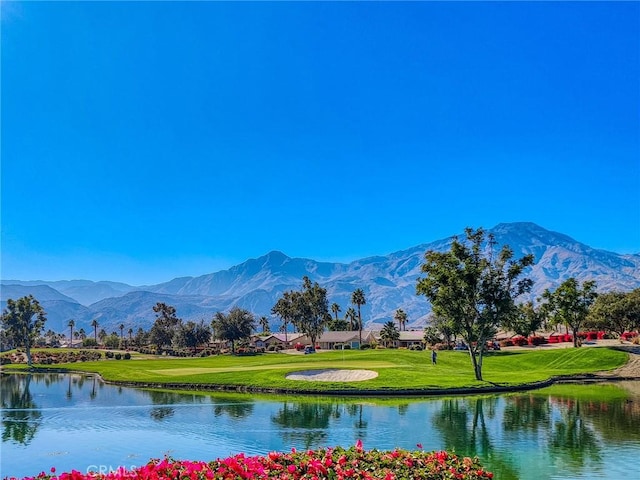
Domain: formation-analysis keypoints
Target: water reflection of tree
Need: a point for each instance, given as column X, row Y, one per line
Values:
column 48, row 378
column 166, row 402
column 20, row 415
column 462, row 424
column 616, row 420
column 526, row 413
column 94, row 393
column 360, row 424
column 69, row 392
column 306, row 422
column 572, row 438
column 235, row 409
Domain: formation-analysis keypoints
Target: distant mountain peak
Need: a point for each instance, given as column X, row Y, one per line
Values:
column 388, row 281
column 276, row 257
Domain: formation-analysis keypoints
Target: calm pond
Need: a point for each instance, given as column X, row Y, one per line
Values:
column 78, row 422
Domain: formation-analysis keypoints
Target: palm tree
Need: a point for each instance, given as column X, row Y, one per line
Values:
column 50, row 337
column 130, row 332
column 401, row 317
column 236, row 325
column 82, row 334
column 95, row 324
column 121, row 327
column 352, row 317
column 284, row 309
column 357, row 298
column 71, row 323
column 389, row 333
column 102, row 335
column 335, row 308
column 264, row 323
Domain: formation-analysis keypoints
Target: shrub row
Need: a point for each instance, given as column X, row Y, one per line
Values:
column 50, row 358
column 118, row 355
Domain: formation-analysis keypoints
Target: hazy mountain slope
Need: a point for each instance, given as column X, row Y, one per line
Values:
column 41, row 292
column 84, row 292
column 388, row 281
column 135, row 309
column 59, row 308
column 263, row 273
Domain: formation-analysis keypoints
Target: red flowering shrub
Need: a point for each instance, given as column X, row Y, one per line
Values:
column 322, row 464
column 535, row 340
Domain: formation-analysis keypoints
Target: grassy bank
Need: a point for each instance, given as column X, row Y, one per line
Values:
column 398, row 370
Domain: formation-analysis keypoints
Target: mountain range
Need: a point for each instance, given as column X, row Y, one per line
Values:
column 388, row 282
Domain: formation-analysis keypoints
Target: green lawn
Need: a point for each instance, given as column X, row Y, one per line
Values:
column 398, row 369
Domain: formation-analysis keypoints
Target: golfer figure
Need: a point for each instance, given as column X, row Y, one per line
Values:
column 434, row 357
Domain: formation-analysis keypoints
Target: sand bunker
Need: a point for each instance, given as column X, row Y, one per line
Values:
column 333, row 375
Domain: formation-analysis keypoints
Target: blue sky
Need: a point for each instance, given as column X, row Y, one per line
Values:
column 144, row 141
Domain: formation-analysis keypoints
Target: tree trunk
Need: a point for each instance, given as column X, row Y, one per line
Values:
column 27, row 350
column 477, row 366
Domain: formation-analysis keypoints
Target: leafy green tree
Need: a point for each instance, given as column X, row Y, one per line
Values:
column 165, row 325
column 89, row 342
column 527, row 319
column 431, row 335
column 95, row 325
column 358, row 299
column 616, row 312
column 389, row 333
column 633, row 309
column 112, row 341
column 569, row 304
column 335, row 309
column 401, row 317
column 141, row 338
column 236, row 325
column 192, row 334
column 71, row 323
column 102, row 335
column 23, row 320
column 338, row 325
column 445, row 328
column 474, row 290
column 311, row 309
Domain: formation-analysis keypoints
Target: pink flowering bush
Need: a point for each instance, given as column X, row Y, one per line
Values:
column 330, row 464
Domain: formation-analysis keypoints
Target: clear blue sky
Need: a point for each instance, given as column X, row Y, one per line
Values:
column 143, row 141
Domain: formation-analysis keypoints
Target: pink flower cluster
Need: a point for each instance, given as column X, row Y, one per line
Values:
column 322, row 464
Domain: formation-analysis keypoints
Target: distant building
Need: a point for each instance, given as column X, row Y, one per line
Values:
column 278, row 339
column 329, row 340
column 411, row 337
